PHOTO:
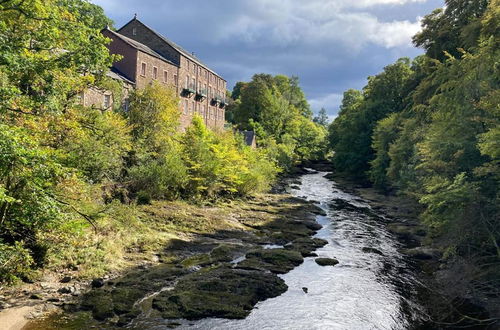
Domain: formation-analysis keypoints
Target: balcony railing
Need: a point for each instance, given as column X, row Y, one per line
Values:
column 189, row 91
column 222, row 103
column 201, row 94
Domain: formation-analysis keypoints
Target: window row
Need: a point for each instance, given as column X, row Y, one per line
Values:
column 212, row 78
column 144, row 70
column 190, row 108
column 190, row 83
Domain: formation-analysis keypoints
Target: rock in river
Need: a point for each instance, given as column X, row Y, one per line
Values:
column 326, row 261
column 220, row 292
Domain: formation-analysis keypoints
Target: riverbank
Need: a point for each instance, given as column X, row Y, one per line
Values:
column 193, row 238
column 447, row 292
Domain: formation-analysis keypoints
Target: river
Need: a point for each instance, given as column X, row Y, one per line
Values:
column 370, row 288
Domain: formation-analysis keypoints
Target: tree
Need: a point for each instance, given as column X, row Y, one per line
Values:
column 321, row 118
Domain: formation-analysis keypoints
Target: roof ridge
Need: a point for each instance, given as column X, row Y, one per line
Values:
column 140, row 46
column 174, row 45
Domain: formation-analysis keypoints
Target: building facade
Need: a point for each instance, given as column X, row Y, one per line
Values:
column 148, row 56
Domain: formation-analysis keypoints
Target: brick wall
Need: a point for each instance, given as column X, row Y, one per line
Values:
column 128, row 64
column 188, row 72
column 150, row 39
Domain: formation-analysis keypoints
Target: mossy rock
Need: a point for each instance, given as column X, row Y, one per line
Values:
column 220, row 292
column 197, row 260
column 127, row 318
column 306, row 245
column 223, row 253
column 125, row 298
column 326, row 261
column 372, row 250
column 103, row 308
column 279, row 261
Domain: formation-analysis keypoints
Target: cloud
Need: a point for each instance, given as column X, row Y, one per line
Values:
column 286, row 23
column 331, row 102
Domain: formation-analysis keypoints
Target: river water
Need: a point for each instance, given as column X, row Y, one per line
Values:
column 374, row 289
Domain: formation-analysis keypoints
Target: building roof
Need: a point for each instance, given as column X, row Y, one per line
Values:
column 181, row 50
column 248, row 137
column 137, row 45
column 114, row 73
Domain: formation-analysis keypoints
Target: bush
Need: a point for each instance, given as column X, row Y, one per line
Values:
column 15, row 262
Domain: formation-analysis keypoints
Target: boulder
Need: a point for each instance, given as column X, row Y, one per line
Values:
column 326, row 261
column 220, row 292
column 97, row 283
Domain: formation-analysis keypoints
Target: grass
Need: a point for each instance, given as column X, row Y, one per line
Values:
column 128, row 235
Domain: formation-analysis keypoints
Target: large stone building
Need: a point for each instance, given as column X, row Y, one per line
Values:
column 148, row 56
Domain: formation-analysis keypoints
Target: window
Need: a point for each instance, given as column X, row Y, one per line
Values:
column 134, row 31
column 175, row 79
column 192, row 108
column 187, row 82
column 165, row 76
column 107, row 101
column 155, row 72
column 194, row 68
column 194, row 82
column 210, row 91
column 143, row 69
column 126, row 105
column 185, row 107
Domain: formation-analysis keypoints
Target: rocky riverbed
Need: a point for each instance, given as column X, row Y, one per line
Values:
column 220, row 274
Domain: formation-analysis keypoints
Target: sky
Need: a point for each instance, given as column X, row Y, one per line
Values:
column 331, row 45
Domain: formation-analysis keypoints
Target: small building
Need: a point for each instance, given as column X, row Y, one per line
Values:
column 103, row 99
column 249, row 138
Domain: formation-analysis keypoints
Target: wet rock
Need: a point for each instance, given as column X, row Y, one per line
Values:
column 410, row 235
column 326, row 261
column 220, row 292
column 125, row 319
column 66, row 290
column 97, row 283
column 66, row 279
column 295, row 187
column 100, row 303
column 279, row 261
column 306, row 290
column 36, row 296
column 108, row 301
column 306, row 245
column 371, row 250
column 173, row 325
column 223, row 253
column 421, row 253
column 318, row 210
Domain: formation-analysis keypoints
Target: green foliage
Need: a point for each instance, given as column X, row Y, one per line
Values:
column 95, row 142
column 275, row 107
column 15, row 262
column 351, row 133
column 321, row 118
column 220, row 165
column 158, row 169
column 49, row 51
column 431, row 128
